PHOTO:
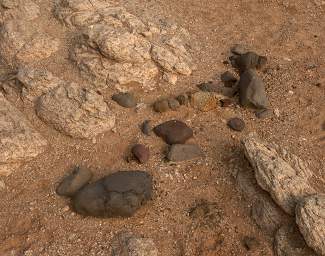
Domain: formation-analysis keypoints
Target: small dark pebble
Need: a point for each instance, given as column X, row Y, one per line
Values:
column 263, row 113
column 174, row 132
column 250, row 243
column 141, row 153
column 146, row 127
column 173, row 104
column 228, row 79
column 183, row 99
column 226, row 103
column 236, row 124
column 161, row 106
column 126, row 99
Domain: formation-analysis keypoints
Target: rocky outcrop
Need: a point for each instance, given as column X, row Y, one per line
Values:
column 310, row 217
column 19, row 141
column 117, row 48
column 75, row 111
column 284, row 177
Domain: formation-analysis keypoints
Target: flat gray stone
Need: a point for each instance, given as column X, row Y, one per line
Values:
column 184, row 152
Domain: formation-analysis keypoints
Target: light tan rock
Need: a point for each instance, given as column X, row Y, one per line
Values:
column 19, row 141
column 310, row 217
column 205, row 101
column 286, row 181
column 75, row 111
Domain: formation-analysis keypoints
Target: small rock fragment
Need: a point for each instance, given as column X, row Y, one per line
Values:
column 228, row 79
column 283, row 175
column 74, row 181
column 126, row 99
column 263, row 113
column 141, row 153
column 161, row 106
column 146, row 127
column 205, row 101
column 251, row 243
column 183, row 99
column 119, row 194
column 236, row 124
column 174, row 132
column 173, row 104
column 184, row 152
column 310, row 217
column 252, row 90
column 289, row 242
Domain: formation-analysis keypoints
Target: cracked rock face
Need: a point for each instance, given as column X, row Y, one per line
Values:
column 75, row 111
column 19, row 141
column 117, row 48
column 284, row 176
column 310, row 217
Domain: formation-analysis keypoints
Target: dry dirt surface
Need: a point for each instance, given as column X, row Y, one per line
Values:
column 196, row 207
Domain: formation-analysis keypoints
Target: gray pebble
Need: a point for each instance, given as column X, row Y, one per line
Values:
column 146, row 127
column 126, row 99
column 161, row 106
column 236, row 124
column 141, row 153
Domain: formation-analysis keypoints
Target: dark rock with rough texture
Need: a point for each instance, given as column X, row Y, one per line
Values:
column 141, row 153
column 77, row 179
column 289, row 242
column 236, row 124
column 184, row 152
column 252, row 90
column 119, row 194
column 173, row 104
column 146, row 127
column 161, row 106
column 251, row 243
column 228, row 79
column 310, row 217
column 125, row 99
column 249, row 60
column 174, row 132
column 183, row 99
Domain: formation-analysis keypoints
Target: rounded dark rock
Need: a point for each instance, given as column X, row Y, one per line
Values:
column 119, row 194
column 141, row 153
column 174, row 132
column 146, row 127
column 161, row 106
column 236, row 124
column 183, row 99
column 78, row 178
column 126, row 99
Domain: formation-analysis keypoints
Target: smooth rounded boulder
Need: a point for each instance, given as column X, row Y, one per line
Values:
column 120, row 194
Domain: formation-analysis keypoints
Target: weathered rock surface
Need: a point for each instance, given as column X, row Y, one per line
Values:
column 19, row 141
column 117, row 48
column 289, row 242
column 127, row 244
column 284, row 176
column 118, row 194
column 310, row 217
column 184, row 152
column 205, row 101
column 75, row 111
column 174, row 132
column 252, row 90
column 78, row 178
column 268, row 216
column 36, row 82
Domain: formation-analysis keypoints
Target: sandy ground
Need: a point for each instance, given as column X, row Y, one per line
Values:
column 35, row 221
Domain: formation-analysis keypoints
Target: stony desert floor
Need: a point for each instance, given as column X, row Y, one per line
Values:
column 34, row 220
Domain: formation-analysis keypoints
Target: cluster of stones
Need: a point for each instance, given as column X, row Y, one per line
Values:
column 285, row 178
column 117, row 48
